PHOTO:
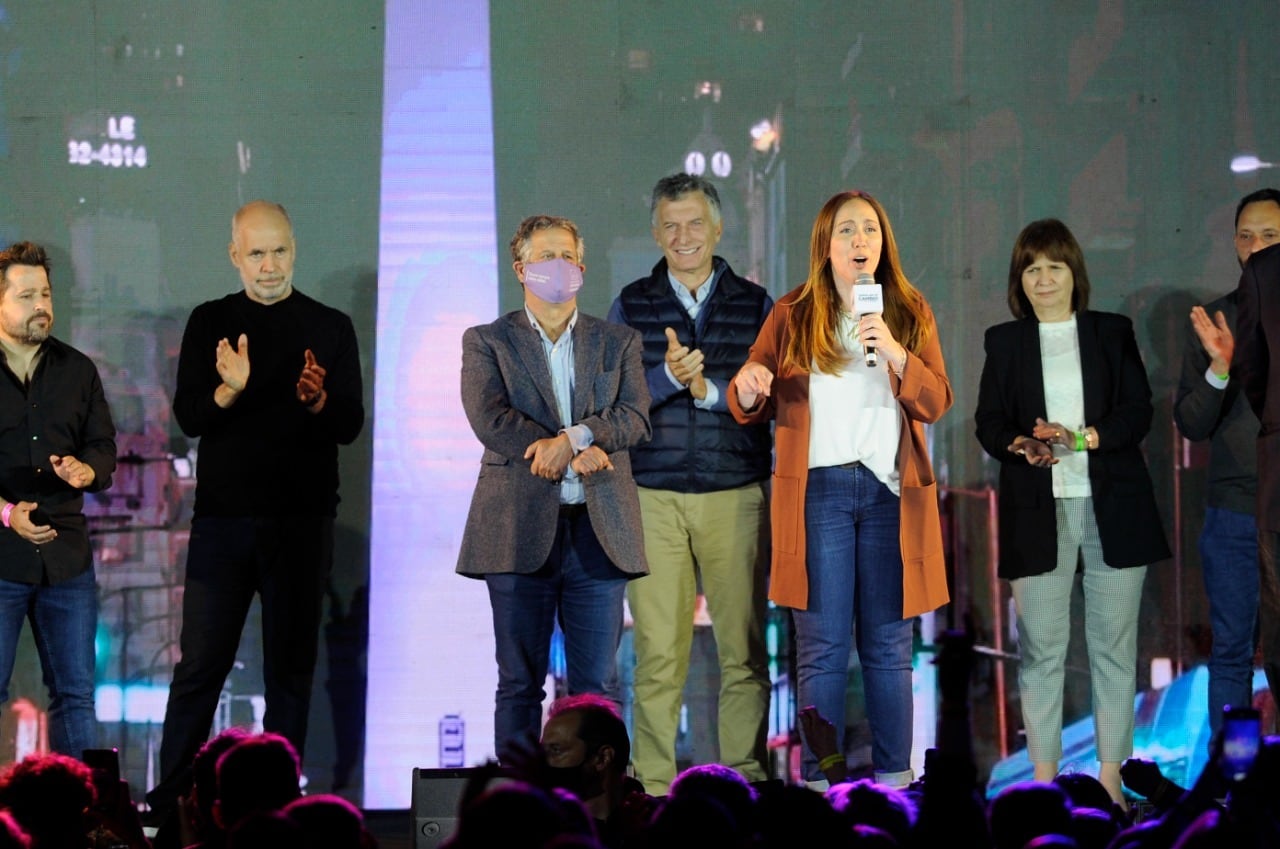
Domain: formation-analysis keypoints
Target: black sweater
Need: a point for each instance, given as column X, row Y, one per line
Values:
column 266, row 455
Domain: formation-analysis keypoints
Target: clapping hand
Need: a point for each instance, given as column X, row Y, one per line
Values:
column 686, row 366
column 310, row 390
column 233, row 363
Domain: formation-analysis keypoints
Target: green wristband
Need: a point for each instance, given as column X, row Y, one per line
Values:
column 1081, row 445
column 830, row 761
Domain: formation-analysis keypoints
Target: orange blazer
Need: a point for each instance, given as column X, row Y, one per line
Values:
column 924, row 394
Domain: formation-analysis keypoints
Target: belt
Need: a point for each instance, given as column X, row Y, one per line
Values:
column 855, row 464
column 572, row 511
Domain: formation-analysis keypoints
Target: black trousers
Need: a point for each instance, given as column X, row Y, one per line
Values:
column 286, row 561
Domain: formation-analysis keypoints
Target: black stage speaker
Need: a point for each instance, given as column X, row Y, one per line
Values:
column 435, row 804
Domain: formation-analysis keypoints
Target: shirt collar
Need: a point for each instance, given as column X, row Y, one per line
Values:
column 533, row 320
column 704, row 291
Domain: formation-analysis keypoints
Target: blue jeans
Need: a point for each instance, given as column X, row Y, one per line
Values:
column 854, row 562
column 581, row 587
column 64, row 619
column 1229, row 554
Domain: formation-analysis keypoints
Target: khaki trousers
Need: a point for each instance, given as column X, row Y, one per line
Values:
column 723, row 538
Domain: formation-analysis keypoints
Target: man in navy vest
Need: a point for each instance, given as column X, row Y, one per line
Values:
column 702, row 487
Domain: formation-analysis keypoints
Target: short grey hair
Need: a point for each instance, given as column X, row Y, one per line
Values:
column 677, row 186
column 524, row 234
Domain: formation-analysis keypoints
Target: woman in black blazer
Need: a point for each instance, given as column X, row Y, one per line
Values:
column 1064, row 404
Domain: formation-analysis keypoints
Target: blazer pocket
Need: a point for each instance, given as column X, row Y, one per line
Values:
column 493, row 458
column 920, row 508
column 787, row 515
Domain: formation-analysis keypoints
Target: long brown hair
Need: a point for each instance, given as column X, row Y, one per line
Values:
column 816, row 311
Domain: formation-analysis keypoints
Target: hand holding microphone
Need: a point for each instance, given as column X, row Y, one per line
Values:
column 868, row 298
column 876, row 337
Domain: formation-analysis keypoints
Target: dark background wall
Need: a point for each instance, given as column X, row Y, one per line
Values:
column 231, row 101
column 966, row 118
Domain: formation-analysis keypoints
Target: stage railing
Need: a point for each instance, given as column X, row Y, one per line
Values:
column 962, row 595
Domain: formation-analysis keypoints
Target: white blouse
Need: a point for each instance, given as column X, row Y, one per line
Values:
column 1064, row 403
column 853, row 415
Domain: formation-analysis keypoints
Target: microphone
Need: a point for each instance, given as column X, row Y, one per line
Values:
column 868, row 297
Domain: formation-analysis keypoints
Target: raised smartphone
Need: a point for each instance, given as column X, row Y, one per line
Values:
column 1241, row 737
column 105, row 764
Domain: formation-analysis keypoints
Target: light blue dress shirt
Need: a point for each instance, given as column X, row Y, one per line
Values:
column 560, row 360
column 693, row 303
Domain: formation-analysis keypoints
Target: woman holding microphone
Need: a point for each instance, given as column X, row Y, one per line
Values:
column 1063, row 405
column 857, row 544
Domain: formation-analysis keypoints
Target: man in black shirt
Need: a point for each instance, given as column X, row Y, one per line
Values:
column 269, row 379
column 57, row 442
column 1210, row 404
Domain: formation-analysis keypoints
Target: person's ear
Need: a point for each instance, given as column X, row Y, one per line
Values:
column 604, row 757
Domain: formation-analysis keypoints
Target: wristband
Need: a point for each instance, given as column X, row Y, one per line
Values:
column 830, row 761
column 6, row 513
column 1223, row 377
column 1080, row 443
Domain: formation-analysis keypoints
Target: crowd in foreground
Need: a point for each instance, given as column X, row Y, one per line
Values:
column 246, row 793
column 581, row 768
column 573, row 790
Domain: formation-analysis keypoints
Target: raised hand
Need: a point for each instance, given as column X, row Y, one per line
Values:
column 819, row 732
column 310, row 389
column 752, row 382
column 686, row 366
column 1215, row 337
column 873, row 331
column 233, row 363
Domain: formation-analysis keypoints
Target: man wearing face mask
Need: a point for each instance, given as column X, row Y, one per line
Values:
column 557, row 398
column 586, row 748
